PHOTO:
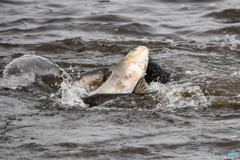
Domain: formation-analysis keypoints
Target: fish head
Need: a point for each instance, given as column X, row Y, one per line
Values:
column 133, row 66
column 137, row 55
column 126, row 74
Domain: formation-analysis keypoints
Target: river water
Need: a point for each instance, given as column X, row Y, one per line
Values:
column 194, row 116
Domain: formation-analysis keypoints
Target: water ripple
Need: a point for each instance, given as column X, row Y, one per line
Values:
column 226, row 16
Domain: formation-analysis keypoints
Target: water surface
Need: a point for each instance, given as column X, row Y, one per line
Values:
column 194, row 116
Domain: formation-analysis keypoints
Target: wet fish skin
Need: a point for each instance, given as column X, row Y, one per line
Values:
column 98, row 99
column 92, row 78
column 126, row 73
column 155, row 73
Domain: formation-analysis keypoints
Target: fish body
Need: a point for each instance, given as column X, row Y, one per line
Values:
column 126, row 74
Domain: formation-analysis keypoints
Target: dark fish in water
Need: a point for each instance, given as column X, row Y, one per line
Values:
column 98, row 99
column 155, row 73
column 93, row 79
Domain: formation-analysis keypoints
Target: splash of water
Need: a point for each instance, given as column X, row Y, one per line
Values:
column 231, row 41
column 72, row 96
column 174, row 96
column 23, row 70
column 13, row 82
column 34, row 65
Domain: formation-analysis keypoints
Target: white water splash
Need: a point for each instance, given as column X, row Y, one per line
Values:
column 232, row 42
column 235, row 74
column 72, row 96
column 13, row 82
column 23, row 70
column 34, row 65
column 174, row 96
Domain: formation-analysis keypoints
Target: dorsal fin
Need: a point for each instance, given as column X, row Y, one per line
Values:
column 141, row 87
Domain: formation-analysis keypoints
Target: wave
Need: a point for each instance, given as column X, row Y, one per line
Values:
column 32, row 146
column 135, row 29
column 15, row 2
column 23, row 71
column 226, row 30
column 188, row 1
column 39, row 29
column 108, row 18
column 226, row 16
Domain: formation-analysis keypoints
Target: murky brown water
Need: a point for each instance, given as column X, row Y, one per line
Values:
column 194, row 116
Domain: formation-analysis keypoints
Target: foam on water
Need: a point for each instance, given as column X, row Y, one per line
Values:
column 231, row 41
column 14, row 82
column 72, row 96
column 236, row 74
column 169, row 97
column 23, row 71
column 174, row 96
column 35, row 65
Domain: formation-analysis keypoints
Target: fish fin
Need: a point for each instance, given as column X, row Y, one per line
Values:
column 141, row 87
column 120, row 85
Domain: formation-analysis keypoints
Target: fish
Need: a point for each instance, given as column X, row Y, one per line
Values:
column 123, row 79
column 127, row 78
column 156, row 73
column 126, row 73
column 93, row 79
column 96, row 77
